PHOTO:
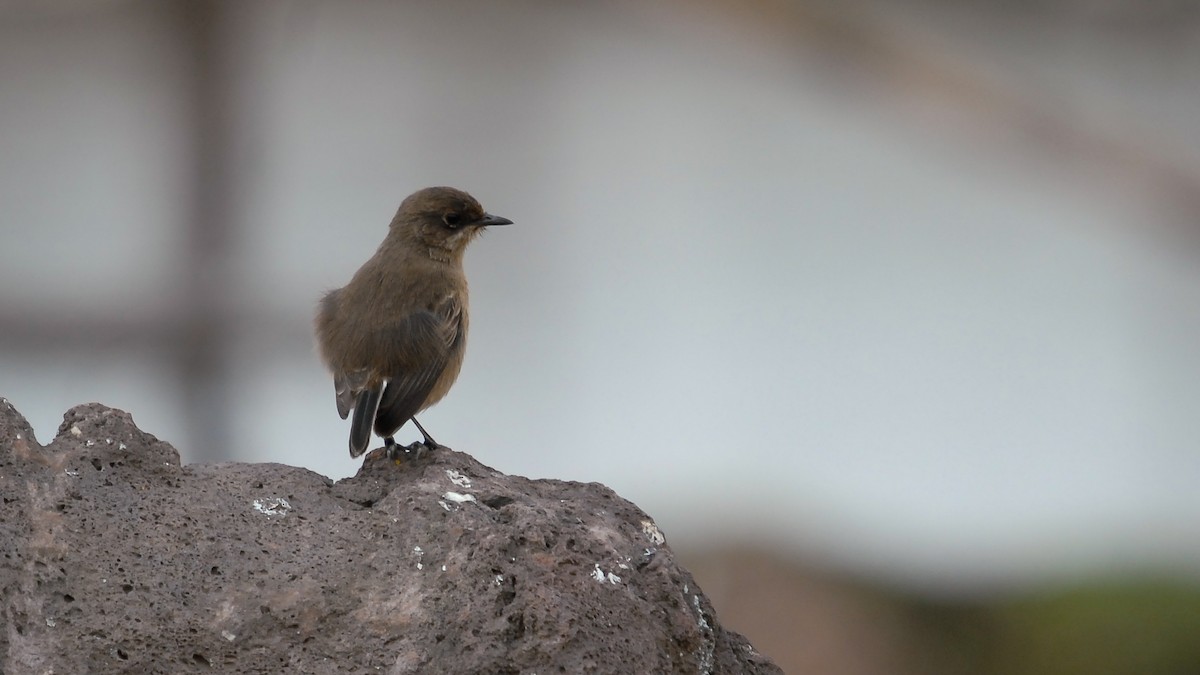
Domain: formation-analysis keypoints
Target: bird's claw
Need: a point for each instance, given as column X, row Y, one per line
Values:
column 410, row 452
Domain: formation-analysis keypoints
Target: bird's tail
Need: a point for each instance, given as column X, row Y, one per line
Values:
column 364, row 416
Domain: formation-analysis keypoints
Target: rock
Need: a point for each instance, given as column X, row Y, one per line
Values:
column 118, row 559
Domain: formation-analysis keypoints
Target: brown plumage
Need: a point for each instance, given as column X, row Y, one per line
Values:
column 394, row 337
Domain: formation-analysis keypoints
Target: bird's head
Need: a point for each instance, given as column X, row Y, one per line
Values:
column 442, row 220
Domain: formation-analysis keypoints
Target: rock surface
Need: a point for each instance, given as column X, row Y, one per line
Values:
column 118, row 559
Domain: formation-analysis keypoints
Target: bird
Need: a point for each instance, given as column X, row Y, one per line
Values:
column 395, row 335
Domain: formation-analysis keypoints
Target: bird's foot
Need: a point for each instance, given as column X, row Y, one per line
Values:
column 408, row 453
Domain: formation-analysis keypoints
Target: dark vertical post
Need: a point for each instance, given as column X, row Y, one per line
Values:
column 203, row 354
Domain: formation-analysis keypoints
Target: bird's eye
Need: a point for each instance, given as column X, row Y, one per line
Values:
column 452, row 220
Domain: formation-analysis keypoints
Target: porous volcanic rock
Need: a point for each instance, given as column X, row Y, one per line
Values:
column 117, row 559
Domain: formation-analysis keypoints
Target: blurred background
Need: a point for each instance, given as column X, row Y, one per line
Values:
column 888, row 312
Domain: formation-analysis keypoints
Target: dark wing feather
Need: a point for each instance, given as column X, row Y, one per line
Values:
column 426, row 338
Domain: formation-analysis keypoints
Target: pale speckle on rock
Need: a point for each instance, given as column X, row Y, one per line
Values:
column 275, row 506
column 605, row 577
column 458, row 498
column 650, row 529
column 458, row 479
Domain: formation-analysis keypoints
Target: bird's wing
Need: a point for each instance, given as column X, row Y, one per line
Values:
column 347, row 386
column 424, row 340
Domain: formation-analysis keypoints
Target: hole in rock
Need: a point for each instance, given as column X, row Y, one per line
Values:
column 499, row 501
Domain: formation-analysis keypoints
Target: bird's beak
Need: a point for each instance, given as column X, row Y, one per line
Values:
column 489, row 219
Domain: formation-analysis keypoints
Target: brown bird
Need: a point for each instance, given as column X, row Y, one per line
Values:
column 394, row 337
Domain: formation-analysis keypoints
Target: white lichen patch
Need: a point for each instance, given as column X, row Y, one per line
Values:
column 700, row 613
column 456, row 498
column 652, row 532
column 709, row 648
column 458, row 479
column 275, row 506
column 605, row 577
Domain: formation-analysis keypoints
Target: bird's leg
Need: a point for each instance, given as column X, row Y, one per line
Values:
column 390, row 448
column 429, row 442
column 397, row 452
